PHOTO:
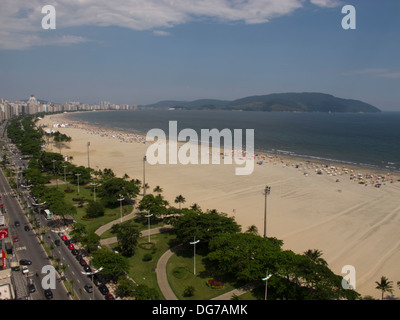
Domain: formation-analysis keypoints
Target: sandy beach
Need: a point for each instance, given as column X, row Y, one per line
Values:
column 310, row 206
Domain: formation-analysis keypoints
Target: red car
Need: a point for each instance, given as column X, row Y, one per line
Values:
column 64, row 238
column 71, row 246
column 15, row 239
column 109, row 296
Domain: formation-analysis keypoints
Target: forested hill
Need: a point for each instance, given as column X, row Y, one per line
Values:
column 288, row 102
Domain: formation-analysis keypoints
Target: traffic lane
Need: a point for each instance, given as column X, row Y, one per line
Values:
column 75, row 270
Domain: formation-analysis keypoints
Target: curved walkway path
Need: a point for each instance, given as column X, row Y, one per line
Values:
column 161, row 269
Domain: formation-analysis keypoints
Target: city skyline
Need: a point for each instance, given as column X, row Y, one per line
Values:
column 133, row 53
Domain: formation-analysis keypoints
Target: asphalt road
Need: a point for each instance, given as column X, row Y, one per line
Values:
column 29, row 247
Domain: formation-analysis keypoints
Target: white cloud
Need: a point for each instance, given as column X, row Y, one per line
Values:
column 21, row 20
column 326, row 3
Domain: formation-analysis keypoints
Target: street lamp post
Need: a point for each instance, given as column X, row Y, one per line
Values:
column 94, row 184
column 144, row 175
column 194, row 254
column 88, row 163
column 78, row 174
column 266, row 283
column 148, row 216
column 267, row 191
column 65, row 177
column 120, row 204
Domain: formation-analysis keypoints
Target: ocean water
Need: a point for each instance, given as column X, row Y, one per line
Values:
column 368, row 140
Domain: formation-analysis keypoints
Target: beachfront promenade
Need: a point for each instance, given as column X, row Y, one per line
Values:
column 161, row 269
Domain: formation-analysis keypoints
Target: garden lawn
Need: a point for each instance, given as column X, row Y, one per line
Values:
column 180, row 269
column 86, row 194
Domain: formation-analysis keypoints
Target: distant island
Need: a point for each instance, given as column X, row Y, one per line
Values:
column 276, row 102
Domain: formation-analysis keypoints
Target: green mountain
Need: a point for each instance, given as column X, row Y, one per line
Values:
column 284, row 102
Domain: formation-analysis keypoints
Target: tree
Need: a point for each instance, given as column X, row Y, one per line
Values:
column 384, row 285
column 127, row 236
column 315, row 255
column 114, row 265
column 158, row 190
column 111, row 189
column 155, row 205
column 94, row 209
column 180, row 199
column 203, row 226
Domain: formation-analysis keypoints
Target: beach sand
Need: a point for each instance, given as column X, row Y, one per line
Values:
column 351, row 223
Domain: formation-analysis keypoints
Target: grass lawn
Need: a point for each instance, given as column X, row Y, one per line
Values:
column 86, row 193
column 143, row 272
column 180, row 269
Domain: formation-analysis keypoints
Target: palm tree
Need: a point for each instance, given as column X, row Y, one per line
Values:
column 195, row 207
column 385, row 285
column 180, row 199
column 315, row 255
column 158, row 189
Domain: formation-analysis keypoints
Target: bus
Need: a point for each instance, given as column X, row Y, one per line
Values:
column 48, row 214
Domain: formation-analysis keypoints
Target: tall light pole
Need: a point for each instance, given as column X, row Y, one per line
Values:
column 65, row 177
column 144, row 175
column 78, row 174
column 266, row 284
column 120, row 204
column 88, row 163
column 54, row 170
column 267, row 191
column 94, row 184
column 148, row 216
column 194, row 254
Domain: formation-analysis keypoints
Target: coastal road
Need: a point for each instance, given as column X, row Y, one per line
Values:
column 27, row 247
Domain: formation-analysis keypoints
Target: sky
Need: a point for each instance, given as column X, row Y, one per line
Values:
column 145, row 51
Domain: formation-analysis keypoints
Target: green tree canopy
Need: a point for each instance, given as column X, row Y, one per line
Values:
column 127, row 236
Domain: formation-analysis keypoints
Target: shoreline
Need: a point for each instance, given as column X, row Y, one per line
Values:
column 259, row 154
column 351, row 223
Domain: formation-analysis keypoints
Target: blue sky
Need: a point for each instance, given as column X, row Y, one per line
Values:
column 135, row 53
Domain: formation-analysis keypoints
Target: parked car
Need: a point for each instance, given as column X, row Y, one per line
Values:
column 79, row 257
column 16, row 223
column 48, row 294
column 74, row 252
column 64, row 238
column 26, row 228
column 71, row 246
column 25, row 270
column 109, row 296
column 15, row 239
column 57, row 242
column 88, row 287
column 103, row 289
column 87, row 268
column 31, row 288
column 25, row 262
column 67, row 242
column 96, row 280
column 82, row 262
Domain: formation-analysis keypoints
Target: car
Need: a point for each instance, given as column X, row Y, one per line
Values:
column 26, row 228
column 88, row 287
column 25, row 262
column 71, row 246
column 96, row 280
column 64, row 238
column 15, row 239
column 31, row 288
column 82, row 262
column 67, row 242
column 16, row 223
column 25, row 270
column 87, row 268
column 79, row 257
column 74, row 252
column 57, row 242
column 103, row 289
column 109, row 296
column 48, row 294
